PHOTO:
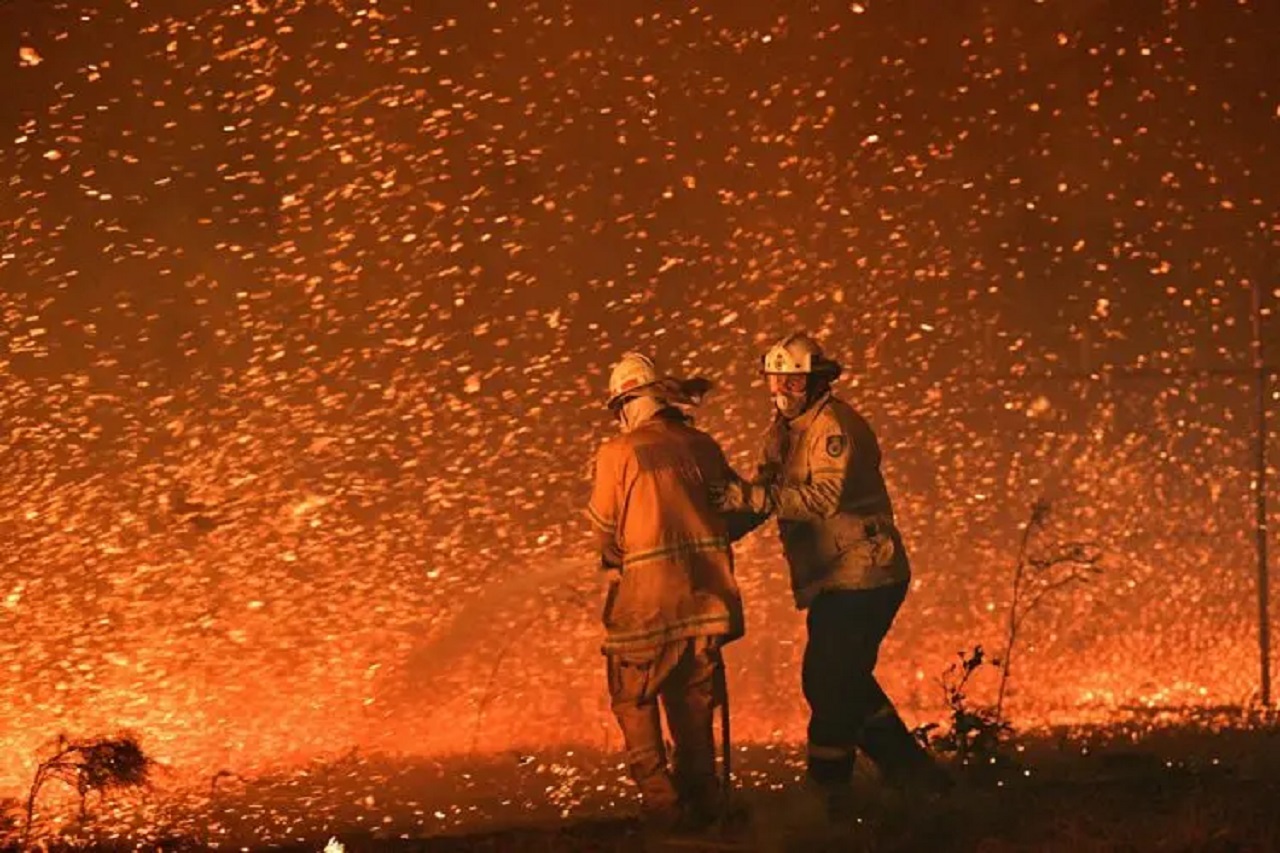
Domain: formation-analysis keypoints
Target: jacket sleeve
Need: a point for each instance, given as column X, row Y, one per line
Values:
column 727, row 496
column 830, row 455
column 741, row 519
column 602, row 508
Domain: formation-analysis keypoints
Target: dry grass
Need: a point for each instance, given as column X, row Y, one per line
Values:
column 1178, row 789
column 1165, row 812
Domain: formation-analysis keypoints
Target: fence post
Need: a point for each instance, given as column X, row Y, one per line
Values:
column 1260, row 499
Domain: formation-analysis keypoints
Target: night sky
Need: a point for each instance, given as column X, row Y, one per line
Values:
column 308, row 309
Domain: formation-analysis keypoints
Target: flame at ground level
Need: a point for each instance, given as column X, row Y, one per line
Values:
column 515, row 669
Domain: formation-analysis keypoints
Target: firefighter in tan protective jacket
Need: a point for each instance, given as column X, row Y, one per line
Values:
column 821, row 479
column 673, row 601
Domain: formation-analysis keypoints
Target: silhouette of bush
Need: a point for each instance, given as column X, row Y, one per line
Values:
column 974, row 733
column 10, row 823
column 99, row 765
column 978, row 732
column 1040, row 571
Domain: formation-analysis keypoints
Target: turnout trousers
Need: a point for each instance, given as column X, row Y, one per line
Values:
column 681, row 677
column 848, row 708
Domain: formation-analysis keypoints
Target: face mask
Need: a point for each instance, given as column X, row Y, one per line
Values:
column 787, row 405
column 637, row 410
column 790, row 394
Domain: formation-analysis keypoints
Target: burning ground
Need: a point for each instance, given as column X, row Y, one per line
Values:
column 1148, row 783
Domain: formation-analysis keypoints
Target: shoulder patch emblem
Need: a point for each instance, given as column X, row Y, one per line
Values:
column 836, row 445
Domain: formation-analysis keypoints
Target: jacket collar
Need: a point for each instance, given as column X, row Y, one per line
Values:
column 663, row 415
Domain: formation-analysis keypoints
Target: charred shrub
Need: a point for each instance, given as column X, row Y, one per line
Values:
column 974, row 734
column 100, row 765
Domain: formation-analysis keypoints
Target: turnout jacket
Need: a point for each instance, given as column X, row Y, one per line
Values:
column 822, row 480
column 650, row 504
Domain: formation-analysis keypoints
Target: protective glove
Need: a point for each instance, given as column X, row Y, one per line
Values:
column 725, row 495
column 740, row 496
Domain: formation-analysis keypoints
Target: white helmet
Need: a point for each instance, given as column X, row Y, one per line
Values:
column 633, row 372
column 798, row 353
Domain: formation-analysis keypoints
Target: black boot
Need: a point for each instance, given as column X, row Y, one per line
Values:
column 901, row 759
column 833, row 779
column 700, row 801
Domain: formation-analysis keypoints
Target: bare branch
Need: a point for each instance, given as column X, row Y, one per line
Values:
column 1081, row 557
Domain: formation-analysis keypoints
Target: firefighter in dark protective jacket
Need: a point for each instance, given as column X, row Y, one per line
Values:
column 821, row 479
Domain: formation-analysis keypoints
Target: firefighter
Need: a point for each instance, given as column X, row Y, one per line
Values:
column 821, row 479
column 672, row 600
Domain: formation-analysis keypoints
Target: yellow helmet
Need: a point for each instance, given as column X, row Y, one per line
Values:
column 798, row 353
column 632, row 372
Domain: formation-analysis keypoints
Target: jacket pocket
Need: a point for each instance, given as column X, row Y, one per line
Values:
column 630, row 677
column 865, row 537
